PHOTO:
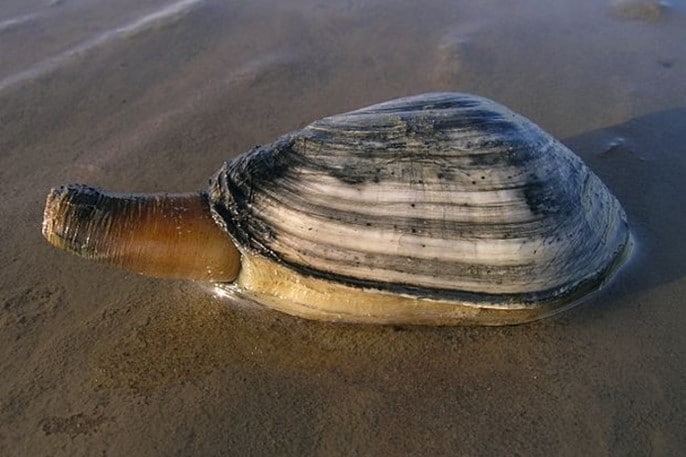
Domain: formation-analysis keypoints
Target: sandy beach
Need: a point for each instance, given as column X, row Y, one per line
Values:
column 154, row 95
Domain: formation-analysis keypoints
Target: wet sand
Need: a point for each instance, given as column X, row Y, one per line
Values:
column 153, row 96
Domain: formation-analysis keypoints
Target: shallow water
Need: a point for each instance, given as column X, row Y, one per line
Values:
column 154, row 95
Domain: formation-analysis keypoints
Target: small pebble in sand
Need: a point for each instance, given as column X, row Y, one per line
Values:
column 640, row 10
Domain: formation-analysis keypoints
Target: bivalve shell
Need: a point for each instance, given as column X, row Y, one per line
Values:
column 449, row 207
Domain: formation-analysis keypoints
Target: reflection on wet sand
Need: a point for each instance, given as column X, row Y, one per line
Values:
column 164, row 16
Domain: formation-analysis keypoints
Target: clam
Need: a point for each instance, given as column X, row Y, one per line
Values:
column 440, row 208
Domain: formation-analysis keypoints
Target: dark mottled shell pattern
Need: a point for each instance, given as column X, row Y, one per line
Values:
column 442, row 195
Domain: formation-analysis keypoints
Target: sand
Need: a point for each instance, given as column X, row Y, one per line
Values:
column 154, row 95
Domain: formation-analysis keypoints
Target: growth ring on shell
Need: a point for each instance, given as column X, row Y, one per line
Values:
column 439, row 208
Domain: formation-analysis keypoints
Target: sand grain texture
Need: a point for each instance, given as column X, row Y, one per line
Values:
column 153, row 96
